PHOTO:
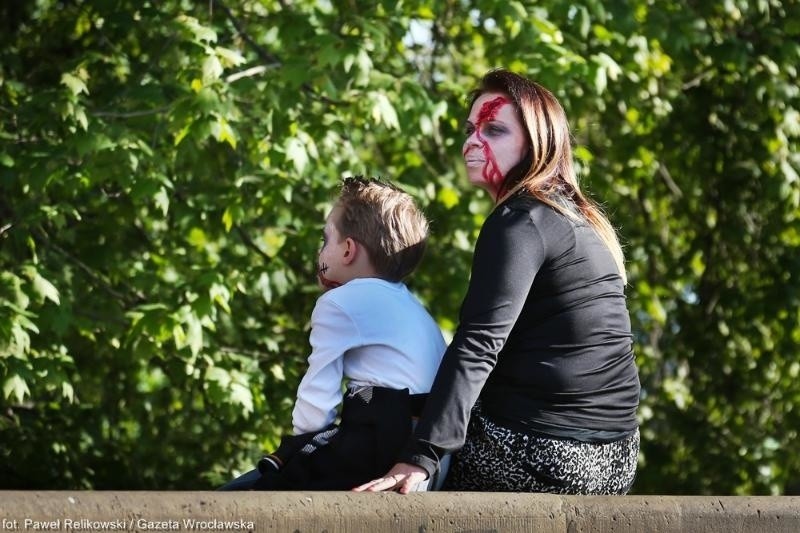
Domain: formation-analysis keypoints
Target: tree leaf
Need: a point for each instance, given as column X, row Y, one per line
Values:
column 448, row 197
column 194, row 334
column 272, row 241
column 161, row 199
column 241, row 395
column 201, row 33
column 223, row 132
column 74, row 83
column 383, row 112
column 296, row 153
column 228, row 57
column 17, row 387
column 45, row 289
column 212, row 69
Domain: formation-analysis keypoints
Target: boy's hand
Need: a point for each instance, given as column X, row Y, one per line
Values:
column 402, row 478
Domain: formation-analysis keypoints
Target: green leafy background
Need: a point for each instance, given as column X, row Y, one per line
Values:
column 165, row 168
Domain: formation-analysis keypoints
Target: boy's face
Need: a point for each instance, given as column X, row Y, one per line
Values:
column 331, row 271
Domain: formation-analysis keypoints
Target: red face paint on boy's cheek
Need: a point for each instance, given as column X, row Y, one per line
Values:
column 491, row 171
column 328, row 283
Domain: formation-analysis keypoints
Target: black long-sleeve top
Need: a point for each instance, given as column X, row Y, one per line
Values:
column 544, row 337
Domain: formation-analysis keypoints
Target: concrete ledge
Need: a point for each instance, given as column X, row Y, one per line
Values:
column 369, row 513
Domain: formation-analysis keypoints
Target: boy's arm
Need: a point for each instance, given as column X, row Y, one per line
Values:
column 333, row 332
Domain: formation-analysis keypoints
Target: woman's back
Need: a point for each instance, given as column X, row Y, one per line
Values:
column 567, row 368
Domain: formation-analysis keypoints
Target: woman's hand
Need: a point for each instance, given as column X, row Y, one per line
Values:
column 403, row 477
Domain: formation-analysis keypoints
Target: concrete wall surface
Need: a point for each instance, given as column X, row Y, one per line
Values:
column 388, row 512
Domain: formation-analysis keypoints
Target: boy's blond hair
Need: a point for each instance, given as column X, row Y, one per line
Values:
column 386, row 221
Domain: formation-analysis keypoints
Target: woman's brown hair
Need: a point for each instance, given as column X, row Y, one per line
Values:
column 547, row 171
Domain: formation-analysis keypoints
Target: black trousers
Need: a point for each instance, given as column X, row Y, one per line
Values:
column 376, row 424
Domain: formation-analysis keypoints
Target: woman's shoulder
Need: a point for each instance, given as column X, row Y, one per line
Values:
column 526, row 213
column 524, row 205
column 517, row 217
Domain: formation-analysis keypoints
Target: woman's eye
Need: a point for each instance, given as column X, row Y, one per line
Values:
column 491, row 129
column 468, row 130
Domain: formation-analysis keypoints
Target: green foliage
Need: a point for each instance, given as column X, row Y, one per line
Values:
column 165, row 168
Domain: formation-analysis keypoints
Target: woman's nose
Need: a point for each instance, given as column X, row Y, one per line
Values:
column 473, row 139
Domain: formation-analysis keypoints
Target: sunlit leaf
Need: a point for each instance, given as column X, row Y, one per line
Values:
column 222, row 131
column 273, row 241
column 228, row 57
column 161, row 199
column 201, row 32
column 194, row 334
column 242, row 396
column 16, row 387
column 45, row 289
column 212, row 69
column 448, row 197
column 74, row 83
column 296, row 152
column 383, row 112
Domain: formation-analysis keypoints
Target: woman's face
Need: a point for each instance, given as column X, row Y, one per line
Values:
column 495, row 141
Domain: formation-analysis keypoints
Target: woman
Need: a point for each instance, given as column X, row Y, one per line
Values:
column 539, row 384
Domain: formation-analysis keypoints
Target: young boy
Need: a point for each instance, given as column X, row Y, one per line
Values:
column 368, row 328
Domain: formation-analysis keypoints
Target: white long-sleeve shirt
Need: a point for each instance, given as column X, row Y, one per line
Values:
column 372, row 332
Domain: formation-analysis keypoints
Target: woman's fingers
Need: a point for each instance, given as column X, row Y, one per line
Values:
column 377, row 485
column 411, row 481
column 403, row 477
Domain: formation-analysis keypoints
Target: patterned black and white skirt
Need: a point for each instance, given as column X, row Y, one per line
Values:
column 497, row 459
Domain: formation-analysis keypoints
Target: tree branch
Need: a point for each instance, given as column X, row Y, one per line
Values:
column 255, row 354
column 130, row 114
column 667, row 177
column 697, row 80
column 124, row 299
column 267, row 57
column 252, row 245
column 6, row 214
column 95, row 317
column 252, row 71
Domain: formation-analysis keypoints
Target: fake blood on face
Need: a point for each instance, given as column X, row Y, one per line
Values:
column 328, row 283
column 491, row 172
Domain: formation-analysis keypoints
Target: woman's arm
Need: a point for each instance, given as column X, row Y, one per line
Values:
column 508, row 254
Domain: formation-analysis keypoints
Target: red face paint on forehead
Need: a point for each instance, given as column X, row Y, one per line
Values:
column 490, row 109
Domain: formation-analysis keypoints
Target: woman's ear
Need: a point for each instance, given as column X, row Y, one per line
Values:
column 350, row 251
